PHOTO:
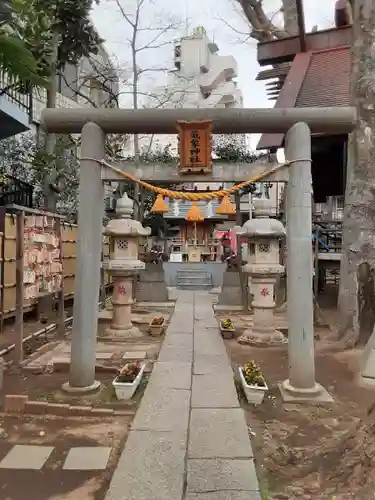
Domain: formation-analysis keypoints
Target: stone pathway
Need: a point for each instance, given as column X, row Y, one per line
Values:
column 189, row 439
column 35, row 457
column 106, row 352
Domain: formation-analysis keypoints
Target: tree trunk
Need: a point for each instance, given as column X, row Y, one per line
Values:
column 356, row 297
column 50, row 195
column 290, row 17
column 137, row 210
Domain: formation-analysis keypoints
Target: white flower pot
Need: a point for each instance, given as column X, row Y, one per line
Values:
column 254, row 394
column 125, row 390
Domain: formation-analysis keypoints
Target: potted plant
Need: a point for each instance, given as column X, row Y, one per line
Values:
column 227, row 328
column 127, row 381
column 253, row 382
column 156, row 326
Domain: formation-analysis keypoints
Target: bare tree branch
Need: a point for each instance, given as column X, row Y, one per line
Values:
column 263, row 28
column 144, row 35
column 152, row 43
column 141, row 71
column 243, row 36
column 106, row 77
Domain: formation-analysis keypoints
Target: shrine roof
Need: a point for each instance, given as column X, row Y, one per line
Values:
column 315, row 79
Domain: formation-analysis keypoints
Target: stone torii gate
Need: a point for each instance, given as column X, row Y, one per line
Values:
column 297, row 124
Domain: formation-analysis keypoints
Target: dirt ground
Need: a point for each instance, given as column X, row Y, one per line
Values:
column 51, row 482
column 46, row 386
column 31, row 325
column 302, row 452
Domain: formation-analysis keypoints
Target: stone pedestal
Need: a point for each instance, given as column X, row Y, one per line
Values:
column 263, row 331
column 231, row 293
column 122, row 301
column 316, row 394
column 263, row 268
column 123, row 266
column 151, row 285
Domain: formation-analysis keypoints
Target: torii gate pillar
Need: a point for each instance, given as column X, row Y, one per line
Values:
column 87, row 279
column 300, row 386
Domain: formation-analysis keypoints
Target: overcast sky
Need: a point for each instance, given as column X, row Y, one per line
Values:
column 208, row 13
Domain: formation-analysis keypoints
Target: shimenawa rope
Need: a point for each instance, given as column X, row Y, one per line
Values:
column 181, row 195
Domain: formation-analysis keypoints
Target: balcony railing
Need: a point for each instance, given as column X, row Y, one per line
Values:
column 8, row 89
column 15, row 191
column 110, row 204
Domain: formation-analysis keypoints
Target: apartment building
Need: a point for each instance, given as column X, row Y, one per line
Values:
column 91, row 82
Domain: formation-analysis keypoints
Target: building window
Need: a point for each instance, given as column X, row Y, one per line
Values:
column 177, row 51
column 340, row 203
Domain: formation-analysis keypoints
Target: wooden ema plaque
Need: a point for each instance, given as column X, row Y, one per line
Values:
column 195, row 146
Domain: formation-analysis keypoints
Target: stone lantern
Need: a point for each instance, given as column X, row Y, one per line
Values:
column 263, row 267
column 123, row 266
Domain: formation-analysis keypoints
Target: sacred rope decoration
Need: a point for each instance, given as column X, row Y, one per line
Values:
column 226, row 206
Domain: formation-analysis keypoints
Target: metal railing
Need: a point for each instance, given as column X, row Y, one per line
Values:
column 110, row 204
column 15, row 192
column 328, row 234
column 10, row 90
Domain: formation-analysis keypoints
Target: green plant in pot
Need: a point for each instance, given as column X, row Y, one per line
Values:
column 227, row 324
column 253, row 382
column 253, row 374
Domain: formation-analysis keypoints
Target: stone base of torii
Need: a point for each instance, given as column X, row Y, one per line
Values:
column 298, row 124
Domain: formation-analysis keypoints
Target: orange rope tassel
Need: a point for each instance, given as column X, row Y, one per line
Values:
column 194, row 214
column 226, row 207
column 160, row 206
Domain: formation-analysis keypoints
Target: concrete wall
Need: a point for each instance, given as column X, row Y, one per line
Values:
column 215, row 268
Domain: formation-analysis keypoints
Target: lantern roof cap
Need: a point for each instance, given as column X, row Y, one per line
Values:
column 124, row 225
column 124, row 206
column 263, row 225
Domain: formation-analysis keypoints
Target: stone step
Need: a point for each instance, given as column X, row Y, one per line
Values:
column 206, row 277
column 192, row 272
column 197, row 285
column 194, row 287
column 195, row 279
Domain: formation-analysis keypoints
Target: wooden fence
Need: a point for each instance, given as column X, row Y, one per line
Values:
column 8, row 249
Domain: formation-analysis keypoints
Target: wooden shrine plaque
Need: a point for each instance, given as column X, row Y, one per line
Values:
column 195, row 146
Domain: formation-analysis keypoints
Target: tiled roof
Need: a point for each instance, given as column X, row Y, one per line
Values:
column 316, row 79
column 327, row 80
